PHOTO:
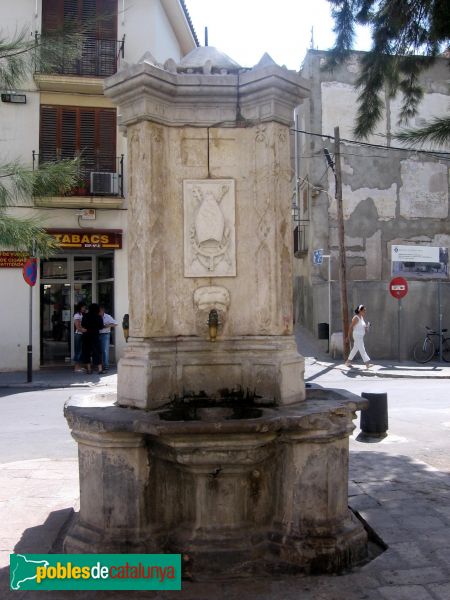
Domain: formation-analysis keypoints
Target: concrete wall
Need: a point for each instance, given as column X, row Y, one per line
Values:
column 389, row 197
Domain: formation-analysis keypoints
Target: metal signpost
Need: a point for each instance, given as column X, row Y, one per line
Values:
column 29, row 272
column 398, row 288
column 318, row 257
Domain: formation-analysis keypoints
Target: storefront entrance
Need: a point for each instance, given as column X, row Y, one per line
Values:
column 66, row 280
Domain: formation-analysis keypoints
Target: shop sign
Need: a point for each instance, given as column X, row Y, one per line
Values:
column 76, row 238
column 12, row 260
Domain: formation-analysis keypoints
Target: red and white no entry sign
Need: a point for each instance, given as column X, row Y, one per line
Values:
column 398, row 287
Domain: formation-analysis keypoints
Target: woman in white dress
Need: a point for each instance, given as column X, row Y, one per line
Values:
column 358, row 328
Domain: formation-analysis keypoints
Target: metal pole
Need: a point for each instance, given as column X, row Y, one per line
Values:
column 30, row 340
column 329, row 301
column 440, row 320
column 399, row 314
column 340, row 218
column 30, row 329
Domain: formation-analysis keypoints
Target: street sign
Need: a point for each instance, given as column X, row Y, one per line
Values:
column 318, row 256
column 29, row 271
column 398, row 287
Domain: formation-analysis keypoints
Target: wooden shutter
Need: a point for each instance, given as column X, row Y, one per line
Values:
column 87, row 140
column 107, row 37
column 106, row 140
column 52, row 16
column 107, row 19
column 48, row 143
column 68, row 133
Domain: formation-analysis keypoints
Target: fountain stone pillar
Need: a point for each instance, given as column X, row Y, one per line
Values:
column 209, row 191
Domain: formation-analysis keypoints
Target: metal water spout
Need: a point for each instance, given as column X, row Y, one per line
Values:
column 213, row 324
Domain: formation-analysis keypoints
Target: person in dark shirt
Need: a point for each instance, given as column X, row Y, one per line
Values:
column 92, row 322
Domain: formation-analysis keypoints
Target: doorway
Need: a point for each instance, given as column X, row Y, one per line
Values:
column 65, row 281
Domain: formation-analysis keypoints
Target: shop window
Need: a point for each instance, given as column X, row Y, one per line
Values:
column 105, row 267
column 82, row 268
column 54, row 268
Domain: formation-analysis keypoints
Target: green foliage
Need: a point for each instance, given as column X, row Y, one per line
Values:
column 19, row 57
column 406, row 36
column 436, row 131
column 18, row 234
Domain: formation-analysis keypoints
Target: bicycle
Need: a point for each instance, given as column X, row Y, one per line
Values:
column 424, row 351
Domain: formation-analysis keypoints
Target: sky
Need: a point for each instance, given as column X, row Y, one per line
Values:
column 245, row 29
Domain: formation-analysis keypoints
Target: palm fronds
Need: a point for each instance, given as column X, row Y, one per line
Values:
column 436, row 131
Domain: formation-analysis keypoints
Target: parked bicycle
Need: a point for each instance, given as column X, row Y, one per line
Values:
column 424, row 351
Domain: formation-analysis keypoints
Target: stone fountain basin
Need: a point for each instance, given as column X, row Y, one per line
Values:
column 236, row 486
column 322, row 410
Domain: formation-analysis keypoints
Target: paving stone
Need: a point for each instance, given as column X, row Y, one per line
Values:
column 363, row 501
column 436, row 539
column 354, row 489
column 441, row 590
column 410, row 553
column 414, row 576
column 421, row 522
column 405, row 592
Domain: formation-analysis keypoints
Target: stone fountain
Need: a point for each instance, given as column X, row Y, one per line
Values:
column 212, row 447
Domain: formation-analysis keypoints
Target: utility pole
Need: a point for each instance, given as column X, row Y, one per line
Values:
column 340, row 219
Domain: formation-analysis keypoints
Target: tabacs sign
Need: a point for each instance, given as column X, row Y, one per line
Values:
column 76, row 238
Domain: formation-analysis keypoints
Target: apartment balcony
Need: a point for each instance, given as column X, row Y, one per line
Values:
column 301, row 238
column 101, row 185
column 81, row 72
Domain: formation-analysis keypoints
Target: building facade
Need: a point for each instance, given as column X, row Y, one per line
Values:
column 65, row 115
column 390, row 197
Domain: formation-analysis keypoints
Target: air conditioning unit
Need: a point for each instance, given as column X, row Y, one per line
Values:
column 105, row 184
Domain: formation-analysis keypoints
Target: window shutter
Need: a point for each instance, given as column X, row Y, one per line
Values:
column 48, row 143
column 107, row 36
column 87, row 139
column 107, row 19
column 52, row 16
column 68, row 132
column 106, row 140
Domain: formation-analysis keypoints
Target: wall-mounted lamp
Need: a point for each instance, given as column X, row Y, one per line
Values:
column 14, row 98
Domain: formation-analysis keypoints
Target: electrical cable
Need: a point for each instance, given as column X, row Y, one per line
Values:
column 358, row 143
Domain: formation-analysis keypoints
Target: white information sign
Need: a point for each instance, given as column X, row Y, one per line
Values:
column 419, row 262
column 426, row 254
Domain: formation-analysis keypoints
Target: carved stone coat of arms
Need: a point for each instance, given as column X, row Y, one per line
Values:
column 209, row 228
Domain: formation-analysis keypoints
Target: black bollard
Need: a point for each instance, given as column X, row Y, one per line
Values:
column 374, row 419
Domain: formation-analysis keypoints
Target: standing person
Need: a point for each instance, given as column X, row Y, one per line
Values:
column 358, row 328
column 80, row 309
column 92, row 352
column 105, row 335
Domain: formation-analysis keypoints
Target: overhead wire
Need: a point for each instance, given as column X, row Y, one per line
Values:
column 435, row 153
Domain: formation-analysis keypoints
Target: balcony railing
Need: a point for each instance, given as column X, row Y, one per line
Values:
column 103, row 176
column 95, row 58
column 301, row 233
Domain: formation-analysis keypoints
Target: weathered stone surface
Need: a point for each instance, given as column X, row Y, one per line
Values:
column 264, row 492
column 225, row 191
column 157, row 370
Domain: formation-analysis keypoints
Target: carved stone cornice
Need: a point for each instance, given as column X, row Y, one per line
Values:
column 146, row 91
